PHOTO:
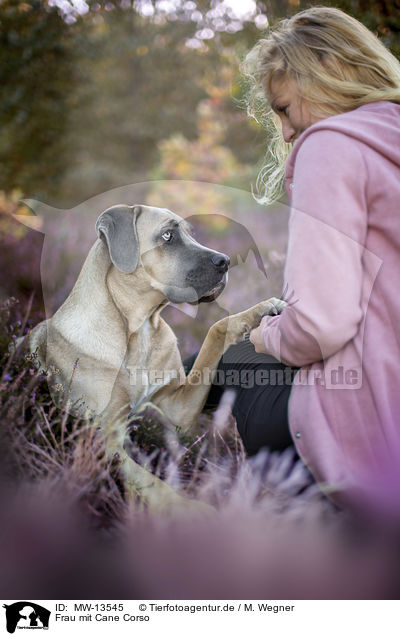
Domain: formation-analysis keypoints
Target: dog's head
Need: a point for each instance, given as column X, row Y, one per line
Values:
column 160, row 243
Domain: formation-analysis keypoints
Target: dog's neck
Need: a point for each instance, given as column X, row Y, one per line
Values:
column 134, row 298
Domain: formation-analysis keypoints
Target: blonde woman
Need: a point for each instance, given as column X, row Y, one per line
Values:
column 334, row 90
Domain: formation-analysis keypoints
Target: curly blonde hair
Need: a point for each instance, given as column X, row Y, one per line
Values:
column 338, row 64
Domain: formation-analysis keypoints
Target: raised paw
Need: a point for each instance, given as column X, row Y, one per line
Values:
column 274, row 306
column 233, row 328
column 271, row 307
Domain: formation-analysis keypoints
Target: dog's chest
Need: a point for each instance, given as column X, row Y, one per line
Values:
column 142, row 363
column 139, row 351
column 141, row 345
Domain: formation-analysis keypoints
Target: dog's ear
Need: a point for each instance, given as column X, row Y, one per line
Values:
column 118, row 226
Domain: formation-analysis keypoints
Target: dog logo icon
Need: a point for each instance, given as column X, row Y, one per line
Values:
column 26, row 615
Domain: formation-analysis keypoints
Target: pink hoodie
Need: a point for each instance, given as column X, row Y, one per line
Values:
column 343, row 325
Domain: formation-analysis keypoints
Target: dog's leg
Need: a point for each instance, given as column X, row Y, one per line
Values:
column 183, row 403
column 139, row 483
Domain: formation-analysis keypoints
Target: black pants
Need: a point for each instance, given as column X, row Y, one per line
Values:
column 262, row 386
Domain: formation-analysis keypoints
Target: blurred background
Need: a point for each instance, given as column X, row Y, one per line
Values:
column 138, row 101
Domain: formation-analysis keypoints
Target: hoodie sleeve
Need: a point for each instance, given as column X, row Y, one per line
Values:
column 323, row 272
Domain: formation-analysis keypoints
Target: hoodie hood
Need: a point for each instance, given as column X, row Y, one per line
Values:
column 377, row 125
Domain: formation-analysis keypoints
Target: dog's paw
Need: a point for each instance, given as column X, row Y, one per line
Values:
column 271, row 307
column 251, row 318
column 159, row 497
column 274, row 306
column 183, row 507
column 234, row 328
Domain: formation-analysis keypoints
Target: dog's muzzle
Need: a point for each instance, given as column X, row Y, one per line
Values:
column 221, row 263
column 215, row 291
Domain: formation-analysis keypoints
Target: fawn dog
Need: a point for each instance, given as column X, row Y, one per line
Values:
column 110, row 326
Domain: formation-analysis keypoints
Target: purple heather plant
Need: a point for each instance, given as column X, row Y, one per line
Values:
column 68, row 531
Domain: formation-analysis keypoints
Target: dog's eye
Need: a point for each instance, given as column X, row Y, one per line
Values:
column 167, row 236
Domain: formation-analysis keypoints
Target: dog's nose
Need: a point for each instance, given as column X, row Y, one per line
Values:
column 220, row 261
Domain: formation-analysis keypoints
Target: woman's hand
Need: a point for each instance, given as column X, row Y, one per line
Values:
column 256, row 337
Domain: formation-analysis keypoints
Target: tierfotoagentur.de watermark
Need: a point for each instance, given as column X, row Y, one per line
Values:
column 337, row 378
